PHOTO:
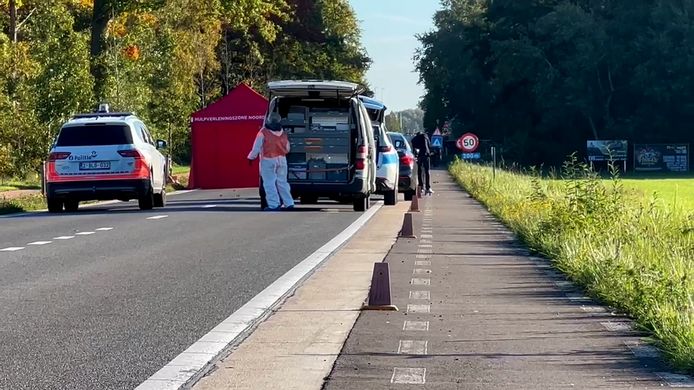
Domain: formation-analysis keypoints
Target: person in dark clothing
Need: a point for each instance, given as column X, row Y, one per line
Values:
column 422, row 146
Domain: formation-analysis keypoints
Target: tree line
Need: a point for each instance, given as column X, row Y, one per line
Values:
column 162, row 59
column 540, row 77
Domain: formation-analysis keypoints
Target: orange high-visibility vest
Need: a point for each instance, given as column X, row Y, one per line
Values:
column 274, row 145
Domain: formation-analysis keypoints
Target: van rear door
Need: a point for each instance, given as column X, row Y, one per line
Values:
column 314, row 89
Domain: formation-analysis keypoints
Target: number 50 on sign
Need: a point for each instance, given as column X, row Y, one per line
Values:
column 468, row 143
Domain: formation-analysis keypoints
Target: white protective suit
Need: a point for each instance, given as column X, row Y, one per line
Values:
column 273, row 170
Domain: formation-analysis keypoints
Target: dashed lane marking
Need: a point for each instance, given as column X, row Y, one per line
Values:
column 156, row 217
column 209, row 206
column 85, row 233
column 413, row 347
column 416, row 326
column 617, row 326
column 64, row 238
column 12, row 249
column 412, row 308
column 420, row 281
column 424, row 295
column 409, row 376
column 104, row 229
column 39, row 243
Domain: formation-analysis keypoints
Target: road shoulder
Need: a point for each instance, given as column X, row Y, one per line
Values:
column 296, row 347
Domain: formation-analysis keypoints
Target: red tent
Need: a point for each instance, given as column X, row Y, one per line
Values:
column 222, row 135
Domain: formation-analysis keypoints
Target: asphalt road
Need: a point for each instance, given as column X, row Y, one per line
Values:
column 110, row 294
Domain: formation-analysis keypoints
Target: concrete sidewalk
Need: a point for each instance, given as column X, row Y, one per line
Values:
column 477, row 312
column 296, row 347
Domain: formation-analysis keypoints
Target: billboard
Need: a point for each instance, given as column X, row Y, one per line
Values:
column 661, row 157
column 612, row 150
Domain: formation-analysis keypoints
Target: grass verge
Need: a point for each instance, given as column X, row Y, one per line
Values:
column 635, row 255
column 21, row 204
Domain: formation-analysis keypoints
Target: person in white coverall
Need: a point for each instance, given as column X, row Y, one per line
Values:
column 272, row 145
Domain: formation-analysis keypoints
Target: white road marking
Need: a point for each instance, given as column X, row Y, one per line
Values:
column 676, row 380
column 426, row 246
column 423, row 256
column 422, row 262
column 185, row 366
column 416, row 326
column 421, row 271
column 38, row 243
column 593, row 309
column 209, row 206
column 64, row 238
column 427, row 236
column 420, row 281
column 12, row 249
column 617, row 326
column 157, row 217
column 104, row 229
column 85, row 233
column 411, row 308
column 409, row 376
column 413, row 347
column 420, row 295
column 423, row 241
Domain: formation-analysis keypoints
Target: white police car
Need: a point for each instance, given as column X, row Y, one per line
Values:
column 388, row 162
column 104, row 156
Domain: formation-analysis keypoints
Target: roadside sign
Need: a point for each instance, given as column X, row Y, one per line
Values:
column 470, row 156
column 437, row 131
column 437, row 141
column 468, row 143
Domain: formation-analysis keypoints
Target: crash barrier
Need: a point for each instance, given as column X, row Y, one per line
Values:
column 379, row 293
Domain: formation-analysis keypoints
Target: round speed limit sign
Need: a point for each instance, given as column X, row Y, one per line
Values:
column 468, row 143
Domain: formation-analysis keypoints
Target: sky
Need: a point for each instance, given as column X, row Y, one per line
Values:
column 388, row 33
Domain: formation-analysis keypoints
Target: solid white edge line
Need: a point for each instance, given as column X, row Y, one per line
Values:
column 104, row 203
column 189, row 366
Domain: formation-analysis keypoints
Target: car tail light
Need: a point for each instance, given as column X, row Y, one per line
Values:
column 360, row 164
column 361, row 149
column 58, row 156
column 385, row 149
column 407, row 159
column 141, row 170
column 130, row 153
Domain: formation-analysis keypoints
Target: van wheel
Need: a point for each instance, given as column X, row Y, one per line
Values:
column 160, row 199
column 362, row 203
column 54, row 205
column 409, row 194
column 390, row 198
column 72, row 205
column 146, row 201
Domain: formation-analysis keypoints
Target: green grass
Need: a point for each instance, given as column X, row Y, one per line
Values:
column 624, row 247
column 25, row 203
column 12, row 185
column 180, row 169
column 675, row 193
